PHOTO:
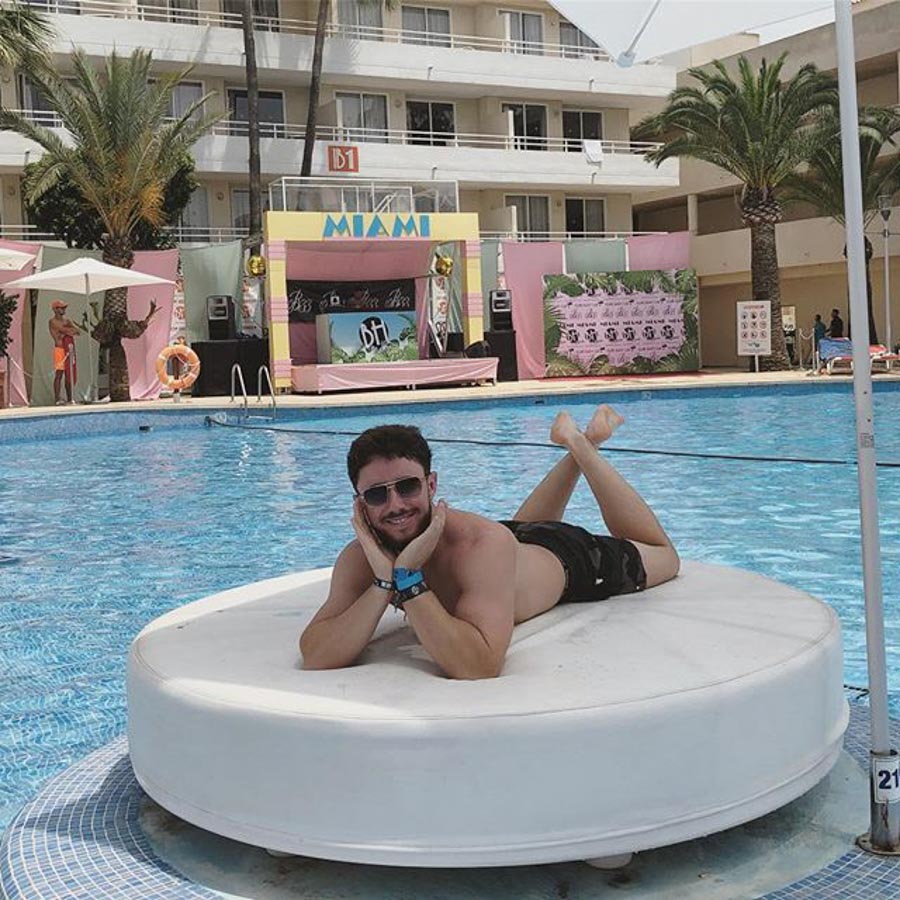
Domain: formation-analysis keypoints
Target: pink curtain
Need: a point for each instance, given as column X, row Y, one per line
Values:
column 15, row 375
column 141, row 353
column 524, row 266
column 302, row 342
column 358, row 260
column 659, row 251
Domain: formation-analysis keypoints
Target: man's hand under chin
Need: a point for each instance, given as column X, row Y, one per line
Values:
column 418, row 551
column 381, row 561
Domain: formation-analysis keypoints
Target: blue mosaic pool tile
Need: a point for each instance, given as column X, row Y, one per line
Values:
column 80, row 839
column 108, row 421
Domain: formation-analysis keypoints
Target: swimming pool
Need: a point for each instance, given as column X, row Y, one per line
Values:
column 111, row 526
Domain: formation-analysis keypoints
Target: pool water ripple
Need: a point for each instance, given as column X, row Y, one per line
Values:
column 111, row 531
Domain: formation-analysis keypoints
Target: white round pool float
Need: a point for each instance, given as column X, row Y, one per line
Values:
column 617, row 726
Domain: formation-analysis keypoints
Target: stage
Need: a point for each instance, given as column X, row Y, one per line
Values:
column 324, row 378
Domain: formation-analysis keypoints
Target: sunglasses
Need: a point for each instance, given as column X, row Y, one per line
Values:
column 406, row 488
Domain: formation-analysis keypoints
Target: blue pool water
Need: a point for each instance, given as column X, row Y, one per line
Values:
column 113, row 526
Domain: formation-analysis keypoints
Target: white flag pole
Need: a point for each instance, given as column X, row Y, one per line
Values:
column 884, row 833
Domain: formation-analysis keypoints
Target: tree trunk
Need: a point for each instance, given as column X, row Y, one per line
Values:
column 255, row 225
column 115, row 325
column 767, row 286
column 4, row 366
column 315, row 84
column 873, row 330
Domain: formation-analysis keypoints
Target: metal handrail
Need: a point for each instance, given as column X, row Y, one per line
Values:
column 292, row 131
column 264, row 370
column 154, row 12
column 236, row 370
column 435, row 138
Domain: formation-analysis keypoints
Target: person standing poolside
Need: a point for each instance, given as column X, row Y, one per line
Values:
column 63, row 331
column 819, row 331
column 836, row 325
column 464, row 581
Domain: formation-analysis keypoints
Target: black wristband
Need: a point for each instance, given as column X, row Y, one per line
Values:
column 400, row 597
column 384, row 585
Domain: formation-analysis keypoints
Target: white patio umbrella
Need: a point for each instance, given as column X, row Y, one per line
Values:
column 13, row 260
column 86, row 276
column 637, row 30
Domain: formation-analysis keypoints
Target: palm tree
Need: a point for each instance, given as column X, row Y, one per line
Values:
column 25, row 38
column 315, row 87
column 821, row 184
column 756, row 128
column 255, row 224
column 121, row 151
column 315, row 80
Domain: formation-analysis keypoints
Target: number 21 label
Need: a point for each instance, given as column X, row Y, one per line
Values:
column 886, row 778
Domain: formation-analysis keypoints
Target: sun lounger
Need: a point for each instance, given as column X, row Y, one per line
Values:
column 836, row 356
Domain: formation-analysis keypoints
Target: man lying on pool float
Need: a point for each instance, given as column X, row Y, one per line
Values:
column 464, row 581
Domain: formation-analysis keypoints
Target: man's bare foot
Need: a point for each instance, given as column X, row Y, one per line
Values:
column 563, row 429
column 602, row 425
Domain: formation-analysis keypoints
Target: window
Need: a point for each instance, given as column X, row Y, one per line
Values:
column 362, row 117
column 265, row 13
column 529, row 125
column 37, row 104
column 581, row 126
column 576, row 44
column 68, row 7
column 271, row 112
column 194, row 219
column 524, row 32
column 183, row 96
column 240, row 206
column 181, row 11
column 424, row 25
column 359, row 20
column 532, row 215
column 585, row 216
column 430, row 122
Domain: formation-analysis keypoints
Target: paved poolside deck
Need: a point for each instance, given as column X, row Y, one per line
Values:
column 706, row 378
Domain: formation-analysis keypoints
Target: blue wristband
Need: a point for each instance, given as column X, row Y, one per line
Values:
column 407, row 578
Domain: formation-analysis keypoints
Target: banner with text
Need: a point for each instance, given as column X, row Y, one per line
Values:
column 308, row 299
column 615, row 323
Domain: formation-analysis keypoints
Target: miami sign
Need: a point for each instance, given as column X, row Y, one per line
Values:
column 374, row 225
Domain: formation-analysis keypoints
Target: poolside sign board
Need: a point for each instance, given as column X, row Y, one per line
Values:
column 754, row 327
column 614, row 323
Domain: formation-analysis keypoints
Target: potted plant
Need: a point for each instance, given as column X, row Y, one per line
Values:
column 7, row 308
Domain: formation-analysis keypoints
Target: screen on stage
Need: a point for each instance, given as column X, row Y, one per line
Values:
column 621, row 323
column 308, row 299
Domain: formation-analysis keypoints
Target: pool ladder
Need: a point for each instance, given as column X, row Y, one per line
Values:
column 237, row 380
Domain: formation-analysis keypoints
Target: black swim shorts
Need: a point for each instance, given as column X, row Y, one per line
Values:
column 596, row 566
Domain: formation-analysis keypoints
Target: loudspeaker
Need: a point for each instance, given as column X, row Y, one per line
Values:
column 501, row 309
column 503, row 344
column 220, row 317
column 217, row 358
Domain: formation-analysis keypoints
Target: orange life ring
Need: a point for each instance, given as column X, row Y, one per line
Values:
column 188, row 357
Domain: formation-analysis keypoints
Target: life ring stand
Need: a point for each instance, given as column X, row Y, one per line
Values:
column 184, row 354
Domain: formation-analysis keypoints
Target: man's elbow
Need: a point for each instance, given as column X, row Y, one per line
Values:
column 477, row 670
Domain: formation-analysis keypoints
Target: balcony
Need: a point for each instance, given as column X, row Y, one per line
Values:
column 450, row 62
column 474, row 160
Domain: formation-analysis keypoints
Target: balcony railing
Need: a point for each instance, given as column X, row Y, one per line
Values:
column 150, row 12
column 434, row 138
column 181, row 234
column 289, row 131
column 563, row 235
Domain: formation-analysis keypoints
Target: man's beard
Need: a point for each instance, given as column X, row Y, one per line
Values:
column 395, row 547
